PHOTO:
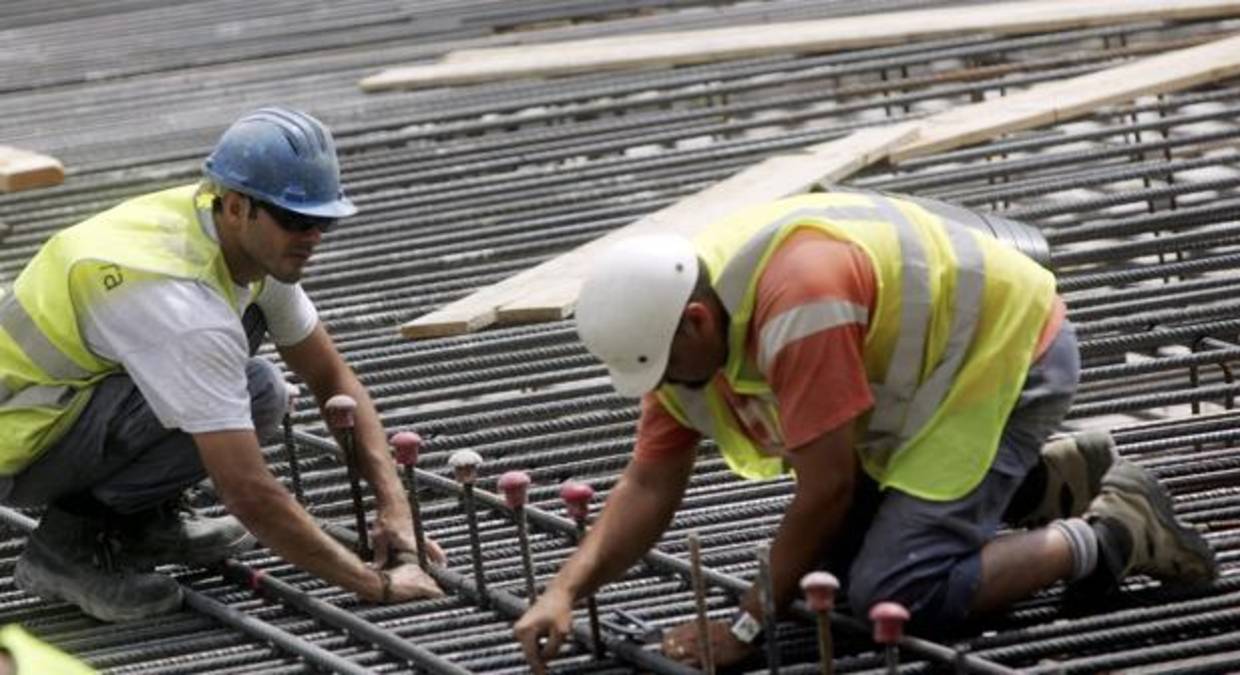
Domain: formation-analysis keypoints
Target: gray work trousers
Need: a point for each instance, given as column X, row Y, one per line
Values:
column 927, row 555
column 118, row 452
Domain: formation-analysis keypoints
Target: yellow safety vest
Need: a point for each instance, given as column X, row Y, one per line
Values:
column 32, row 656
column 46, row 370
column 946, row 351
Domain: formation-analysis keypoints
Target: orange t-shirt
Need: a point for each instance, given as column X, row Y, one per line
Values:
column 817, row 374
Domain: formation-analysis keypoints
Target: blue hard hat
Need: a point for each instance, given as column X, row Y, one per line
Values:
column 283, row 157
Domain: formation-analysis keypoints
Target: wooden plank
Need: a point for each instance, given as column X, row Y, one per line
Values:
column 823, row 35
column 26, row 170
column 1067, row 99
column 548, row 291
column 543, row 304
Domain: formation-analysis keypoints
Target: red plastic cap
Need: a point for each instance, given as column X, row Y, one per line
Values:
column 576, row 498
column 407, row 444
column 819, row 589
column 888, row 618
column 465, row 465
column 514, row 485
column 340, row 411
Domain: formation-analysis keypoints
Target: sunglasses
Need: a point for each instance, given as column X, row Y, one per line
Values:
column 291, row 221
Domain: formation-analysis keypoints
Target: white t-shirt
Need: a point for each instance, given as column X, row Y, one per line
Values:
column 185, row 348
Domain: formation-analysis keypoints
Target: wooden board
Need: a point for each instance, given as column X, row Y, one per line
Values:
column 549, row 290
column 1062, row 100
column 26, row 170
column 824, row 35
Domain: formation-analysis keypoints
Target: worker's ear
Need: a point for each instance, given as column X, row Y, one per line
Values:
column 234, row 206
column 698, row 320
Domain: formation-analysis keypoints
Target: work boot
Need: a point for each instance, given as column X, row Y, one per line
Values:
column 71, row 558
column 1138, row 531
column 1073, row 467
column 176, row 533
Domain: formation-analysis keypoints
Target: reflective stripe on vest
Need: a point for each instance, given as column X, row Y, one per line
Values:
column 803, row 321
column 47, row 371
column 39, row 396
column 15, row 321
column 962, row 352
column 901, row 407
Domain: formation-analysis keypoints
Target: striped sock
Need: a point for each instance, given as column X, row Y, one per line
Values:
column 1083, row 543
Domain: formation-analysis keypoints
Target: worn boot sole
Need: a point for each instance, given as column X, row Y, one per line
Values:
column 55, row 586
column 1190, row 546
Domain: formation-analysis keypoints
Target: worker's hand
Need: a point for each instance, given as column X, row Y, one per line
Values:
column 681, row 644
column 550, row 618
column 409, row 582
column 392, row 538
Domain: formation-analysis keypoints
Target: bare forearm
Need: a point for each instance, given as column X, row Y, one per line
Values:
column 826, row 471
column 632, row 521
column 250, row 492
column 282, row 525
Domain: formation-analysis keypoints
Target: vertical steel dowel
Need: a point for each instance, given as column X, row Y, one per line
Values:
column 290, row 443
column 820, row 588
column 766, row 587
column 889, row 618
column 465, row 465
column 705, row 647
column 407, row 445
column 515, row 485
column 577, row 498
column 341, row 417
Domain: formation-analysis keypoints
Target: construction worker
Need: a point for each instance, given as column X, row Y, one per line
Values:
column 127, row 374
column 907, row 368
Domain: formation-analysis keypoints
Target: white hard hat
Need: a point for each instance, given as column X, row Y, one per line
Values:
column 630, row 306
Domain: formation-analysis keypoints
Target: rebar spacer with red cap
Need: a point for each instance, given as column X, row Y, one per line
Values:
column 515, row 485
column 819, row 589
column 464, row 465
column 407, row 444
column 576, row 498
column 888, row 619
column 341, row 411
column 341, row 415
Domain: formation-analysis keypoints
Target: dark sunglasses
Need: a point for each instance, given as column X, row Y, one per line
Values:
column 291, row 221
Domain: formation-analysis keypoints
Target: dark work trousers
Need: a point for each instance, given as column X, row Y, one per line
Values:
column 926, row 554
column 119, row 455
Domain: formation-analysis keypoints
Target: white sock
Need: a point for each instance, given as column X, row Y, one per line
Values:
column 1082, row 542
